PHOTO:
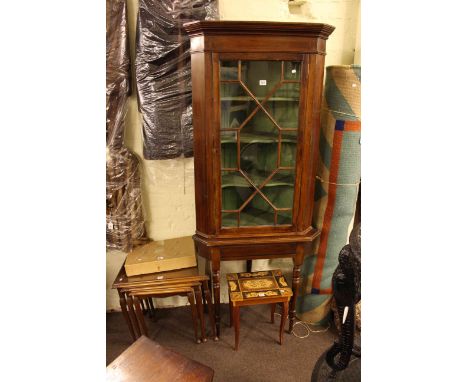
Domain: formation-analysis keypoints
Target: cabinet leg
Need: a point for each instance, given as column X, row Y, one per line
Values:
column 215, row 275
column 207, row 284
column 201, row 314
column 236, row 317
column 296, row 279
column 123, row 306
column 208, row 272
column 295, row 288
column 209, row 303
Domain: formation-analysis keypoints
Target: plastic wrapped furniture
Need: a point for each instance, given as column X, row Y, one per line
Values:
column 163, row 74
column 124, row 215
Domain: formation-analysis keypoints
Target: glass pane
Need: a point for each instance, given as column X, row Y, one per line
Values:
column 257, row 212
column 264, row 144
column 261, row 76
column 285, row 217
column 229, row 70
column 288, row 148
column 259, row 160
column 235, row 190
column 280, row 189
column 229, row 219
column 292, row 70
column 228, row 149
column 283, row 105
column 236, row 105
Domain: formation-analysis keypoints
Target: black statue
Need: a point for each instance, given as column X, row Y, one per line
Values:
column 347, row 292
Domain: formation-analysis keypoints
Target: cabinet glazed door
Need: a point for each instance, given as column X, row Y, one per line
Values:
column 259, row 124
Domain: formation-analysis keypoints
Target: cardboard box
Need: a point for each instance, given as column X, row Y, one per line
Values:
column 160, row 256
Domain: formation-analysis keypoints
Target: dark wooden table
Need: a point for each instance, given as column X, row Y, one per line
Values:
column 170, row 279
column 147, row 361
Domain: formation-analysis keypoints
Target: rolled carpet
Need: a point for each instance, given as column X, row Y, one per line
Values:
column 336, row 188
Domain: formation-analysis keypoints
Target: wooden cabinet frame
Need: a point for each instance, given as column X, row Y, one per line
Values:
column 212, row 41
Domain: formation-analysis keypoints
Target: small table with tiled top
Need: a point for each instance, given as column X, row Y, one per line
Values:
column 252, row 288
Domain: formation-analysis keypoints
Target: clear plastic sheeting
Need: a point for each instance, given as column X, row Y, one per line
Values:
column 163, row 75
column 117, row 71
column 124, row 215
column 124, row 210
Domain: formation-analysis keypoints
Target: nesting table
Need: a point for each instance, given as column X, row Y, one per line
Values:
column 132, row 289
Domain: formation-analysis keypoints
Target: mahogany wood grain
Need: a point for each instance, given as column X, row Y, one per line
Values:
column 148, row 361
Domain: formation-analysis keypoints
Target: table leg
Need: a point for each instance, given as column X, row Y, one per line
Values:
column 215, row 275
column 133, row 319
column 284, row 314
column 139, row 315
column 231, row 314
column 208, row 271
column 272, row 313
column 123, row 306
column 201, row 314
column 249, row 266
column 206, row 291
column 152, row 310
column 191, row 299
column 296, row 279
column 236, row 316
column 207, row 285
column 143, row 306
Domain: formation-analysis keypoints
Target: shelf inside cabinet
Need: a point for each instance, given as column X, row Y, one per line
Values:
column 255, row 217
column 259, row 138
column 235, row 179
column 247, row 99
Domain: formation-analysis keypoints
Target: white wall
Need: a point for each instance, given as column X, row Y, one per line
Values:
column 168, row 185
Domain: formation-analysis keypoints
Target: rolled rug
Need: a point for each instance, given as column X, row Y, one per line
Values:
column 163, row 76
column 336, row 188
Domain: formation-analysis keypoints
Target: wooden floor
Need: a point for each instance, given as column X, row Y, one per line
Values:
column 259, row 358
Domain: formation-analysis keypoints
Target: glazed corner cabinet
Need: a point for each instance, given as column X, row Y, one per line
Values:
column 256, row 98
